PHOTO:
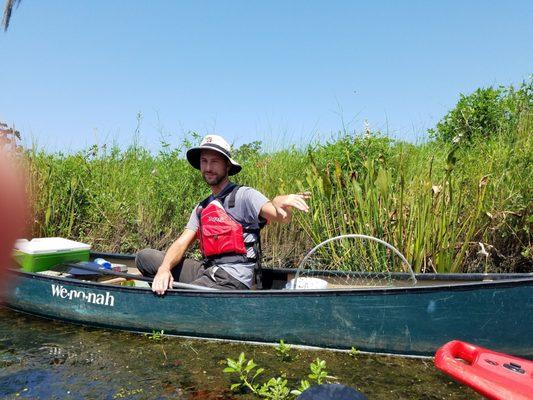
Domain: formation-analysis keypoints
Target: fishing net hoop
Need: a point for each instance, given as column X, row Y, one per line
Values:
column 406, row 266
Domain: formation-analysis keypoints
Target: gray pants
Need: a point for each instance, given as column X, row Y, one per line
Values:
column 190, row 271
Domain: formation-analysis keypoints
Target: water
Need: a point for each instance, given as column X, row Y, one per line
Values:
column 43, row 359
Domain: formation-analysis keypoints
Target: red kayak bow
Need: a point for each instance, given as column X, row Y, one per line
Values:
column 495, row 375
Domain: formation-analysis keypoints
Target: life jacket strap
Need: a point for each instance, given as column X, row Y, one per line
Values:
column 230, row 189
column 232, row 195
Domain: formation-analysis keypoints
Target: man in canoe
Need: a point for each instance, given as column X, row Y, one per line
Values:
column 227, row 225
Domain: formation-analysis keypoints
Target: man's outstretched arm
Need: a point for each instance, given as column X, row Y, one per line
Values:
column 280, row 207
column 163, row 279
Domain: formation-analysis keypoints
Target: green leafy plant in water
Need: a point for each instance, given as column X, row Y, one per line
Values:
column 318, row 371
column 283, row 351
column 274, row 388
column 156, row 336
column 353, row 352
column 317, row 375
column 304, row 385
column 247, row 371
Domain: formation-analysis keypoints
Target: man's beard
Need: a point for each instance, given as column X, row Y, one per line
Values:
column 214, row 181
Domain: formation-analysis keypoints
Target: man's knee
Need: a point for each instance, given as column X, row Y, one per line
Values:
column 189, row 270
column 140, row 258
column 148, row 261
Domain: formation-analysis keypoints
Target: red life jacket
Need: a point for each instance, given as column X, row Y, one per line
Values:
column 218, row 232
column 220, row 235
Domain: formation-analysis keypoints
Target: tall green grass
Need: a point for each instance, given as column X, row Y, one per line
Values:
column 447, row 206
column 444, row 206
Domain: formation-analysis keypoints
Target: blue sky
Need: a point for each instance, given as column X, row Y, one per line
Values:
column 75, row 73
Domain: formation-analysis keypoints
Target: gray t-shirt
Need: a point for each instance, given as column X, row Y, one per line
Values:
column 248, row 204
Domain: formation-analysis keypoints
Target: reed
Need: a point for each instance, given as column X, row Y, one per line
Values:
column 440, row 205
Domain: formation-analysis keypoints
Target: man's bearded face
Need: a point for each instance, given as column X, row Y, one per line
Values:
column 214, row 167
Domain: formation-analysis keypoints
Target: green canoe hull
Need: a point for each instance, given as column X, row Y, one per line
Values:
column 414, row 321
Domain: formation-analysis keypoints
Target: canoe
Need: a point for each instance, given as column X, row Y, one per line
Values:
column 492, row 310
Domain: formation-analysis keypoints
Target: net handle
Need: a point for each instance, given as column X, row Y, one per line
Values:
column 355, row 236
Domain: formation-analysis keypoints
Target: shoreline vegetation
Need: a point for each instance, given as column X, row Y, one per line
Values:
column 461, row 202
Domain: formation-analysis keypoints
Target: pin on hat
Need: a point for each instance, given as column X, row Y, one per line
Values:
column 214, row 143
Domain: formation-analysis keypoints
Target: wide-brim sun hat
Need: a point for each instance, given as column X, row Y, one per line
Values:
column 214, row 143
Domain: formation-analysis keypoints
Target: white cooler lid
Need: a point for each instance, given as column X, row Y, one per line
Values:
column 49, row 245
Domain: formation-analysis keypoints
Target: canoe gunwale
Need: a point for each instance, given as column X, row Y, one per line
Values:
column 467, row 286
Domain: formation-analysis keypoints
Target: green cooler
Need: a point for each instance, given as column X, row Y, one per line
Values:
column 43, row 253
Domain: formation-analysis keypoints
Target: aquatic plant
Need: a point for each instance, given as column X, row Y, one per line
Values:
column 156, row 336
column 318, row 371
column 274, row 388
column 431, row 201
column 353, row 352
column 247, row 371
column 283, row 351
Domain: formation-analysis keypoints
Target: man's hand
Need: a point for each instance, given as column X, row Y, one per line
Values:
column 280, row 208
column 162, row 280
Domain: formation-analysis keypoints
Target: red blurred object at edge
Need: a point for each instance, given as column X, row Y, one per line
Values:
column 12, row 210
column 494, row 375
